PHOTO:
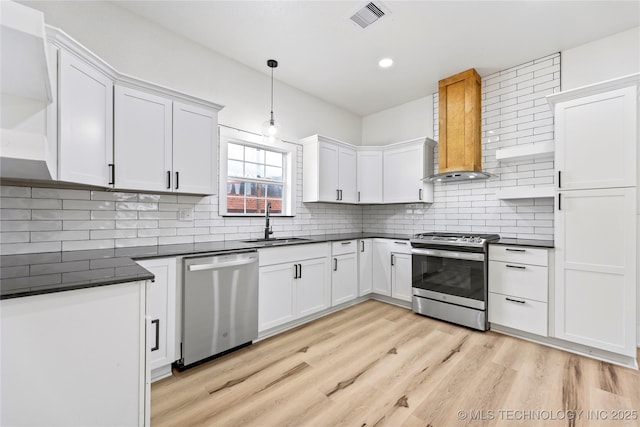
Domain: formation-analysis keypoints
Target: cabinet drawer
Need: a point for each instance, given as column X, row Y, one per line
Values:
column 344, row 247
column 521, row 254
column 292, row 253
column 518, row 313
column 521, row 280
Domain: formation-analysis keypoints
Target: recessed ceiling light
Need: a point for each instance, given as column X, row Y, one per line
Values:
column 385, row 62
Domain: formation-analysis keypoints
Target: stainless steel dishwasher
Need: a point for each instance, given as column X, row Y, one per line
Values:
column 219, row 305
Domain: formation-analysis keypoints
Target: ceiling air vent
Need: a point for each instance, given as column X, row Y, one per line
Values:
column 369, row 14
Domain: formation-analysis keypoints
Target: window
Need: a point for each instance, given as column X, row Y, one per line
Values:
column 253, row 175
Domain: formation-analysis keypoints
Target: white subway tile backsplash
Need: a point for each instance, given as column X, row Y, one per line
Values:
column 55, row 193
column 79, row 245
column 52, row 236
column 15, row 214
column 14, row 237
column 59, row 214
column 88, row 205
column 23, row 203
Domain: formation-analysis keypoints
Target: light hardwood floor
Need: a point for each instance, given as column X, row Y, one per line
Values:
column 375, row 364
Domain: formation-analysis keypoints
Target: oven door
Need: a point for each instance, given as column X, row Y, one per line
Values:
column 454, row 277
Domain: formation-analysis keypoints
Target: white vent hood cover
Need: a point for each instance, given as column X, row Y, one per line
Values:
column 24, row 155
column 25, row 70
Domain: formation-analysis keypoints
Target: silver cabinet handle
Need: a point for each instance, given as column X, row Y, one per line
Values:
column 362, row 250
column 401, row 243
column 168, row 180
column 514, row 300
column 300, row 269
column 514, row 250
column 177, row 180
column 520, row 267
column 346, row 243
column 157, row 323
column 335, row 264
column 420, row 194
column 358, row 196
column 393, row 258
column 337, row 194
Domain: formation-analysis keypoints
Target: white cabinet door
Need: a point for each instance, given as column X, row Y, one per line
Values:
column 369, row 168
column 403, row 174
column 401, row 276
column 344, row 278
column 595, row 279
column 596, row 140
column 195, row 149
column 381, row 267
column 276, row 296
column 347, row 176
column 328, row 183
column 312, row 287
column 85, row 97
column 365, row 266
column 142, row 141
column 161, row 299
column 74, row 358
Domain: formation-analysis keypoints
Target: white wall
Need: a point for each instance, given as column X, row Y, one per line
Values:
column 402, row 123
column 140, row 48
column 603, row 59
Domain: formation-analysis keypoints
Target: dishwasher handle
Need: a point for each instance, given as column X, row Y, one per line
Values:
column 234, row 263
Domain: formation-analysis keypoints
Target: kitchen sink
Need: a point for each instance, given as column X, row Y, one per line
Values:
column 277, row 241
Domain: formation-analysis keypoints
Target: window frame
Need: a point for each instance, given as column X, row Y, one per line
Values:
column 289, row 151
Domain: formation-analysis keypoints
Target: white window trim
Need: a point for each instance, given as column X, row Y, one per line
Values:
column 228, row 135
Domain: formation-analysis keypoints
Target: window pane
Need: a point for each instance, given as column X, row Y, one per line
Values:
column 274, row 159
column 235, row 188
column 254, row 155
column 235, row 204
column 253, row 170
column 235, row 151
column 274, row 191
column 256, row 190
column 235, row 168
column 274, row 173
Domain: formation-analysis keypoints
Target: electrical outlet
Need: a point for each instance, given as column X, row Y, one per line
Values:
column 186, row 214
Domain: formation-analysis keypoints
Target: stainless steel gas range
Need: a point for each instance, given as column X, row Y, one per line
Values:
column 449, row 277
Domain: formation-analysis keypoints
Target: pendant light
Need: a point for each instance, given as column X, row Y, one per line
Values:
column 271, row 129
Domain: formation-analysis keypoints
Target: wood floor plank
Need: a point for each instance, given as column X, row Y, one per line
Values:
column 375, row 364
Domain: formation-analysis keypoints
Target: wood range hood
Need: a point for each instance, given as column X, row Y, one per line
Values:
column 460, row 144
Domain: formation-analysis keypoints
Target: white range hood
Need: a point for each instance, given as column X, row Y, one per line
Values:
column 26, row 91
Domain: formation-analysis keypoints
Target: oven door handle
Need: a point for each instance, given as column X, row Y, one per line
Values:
column 470, row 256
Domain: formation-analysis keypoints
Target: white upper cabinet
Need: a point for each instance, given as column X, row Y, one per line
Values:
column 85, row 117
column 329, row 170
column 142, row 141
column 163, row 145
column 369, row 176
column 195, row 149
column 404, row 171
column 596, row 140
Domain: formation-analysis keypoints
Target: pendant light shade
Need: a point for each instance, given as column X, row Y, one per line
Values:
column 271, row 129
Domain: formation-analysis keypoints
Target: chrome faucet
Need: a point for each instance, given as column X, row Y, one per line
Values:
column 267, row 228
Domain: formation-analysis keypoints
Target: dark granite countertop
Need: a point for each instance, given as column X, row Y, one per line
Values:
column 524, row 242
column 42, row 273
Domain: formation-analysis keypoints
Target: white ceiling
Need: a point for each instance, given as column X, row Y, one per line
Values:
column 322, row 52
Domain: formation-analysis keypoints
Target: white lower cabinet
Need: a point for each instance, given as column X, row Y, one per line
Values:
column 365, row 266
column 401, row 276
column 294, row 281
column 344, row 271
column 518, row 288
column 162, row 316
column 392, row 268
column 75, row 358
column 595, row 286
